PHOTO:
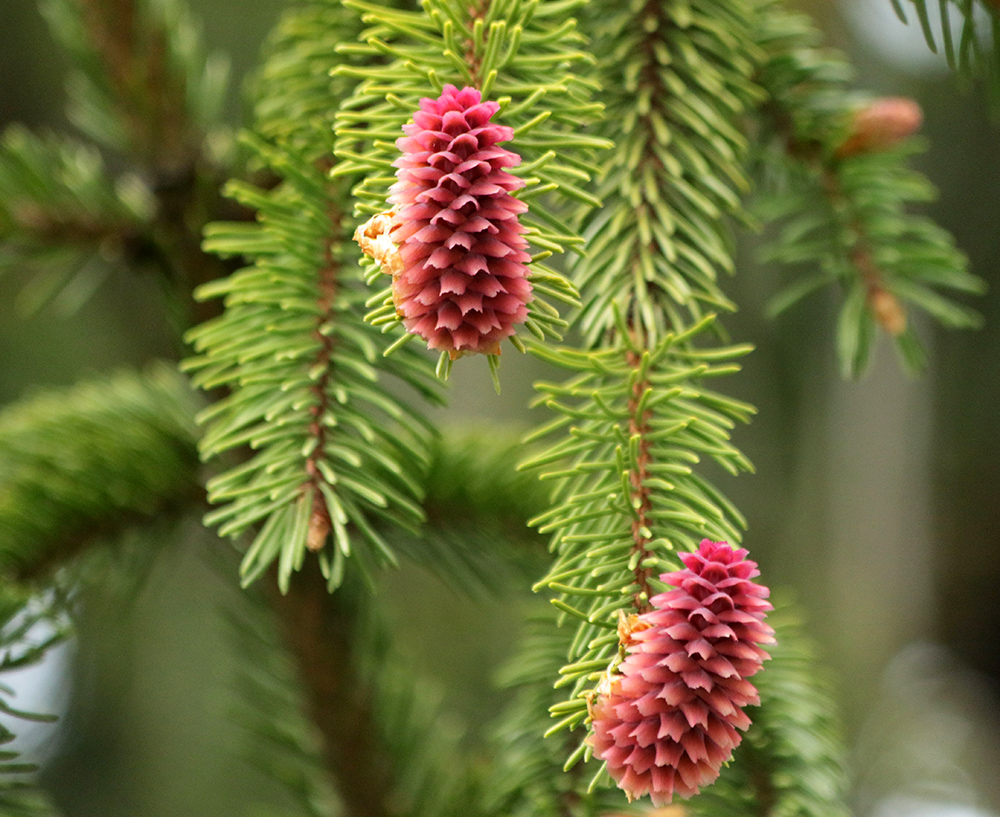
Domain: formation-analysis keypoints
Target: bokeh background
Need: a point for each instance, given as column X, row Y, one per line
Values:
column 876, row 504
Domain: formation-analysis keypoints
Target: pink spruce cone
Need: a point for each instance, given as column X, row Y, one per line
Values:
column 669, row 721
column 463, row 282
column 882, row 124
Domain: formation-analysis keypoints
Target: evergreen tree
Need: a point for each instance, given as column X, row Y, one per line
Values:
column 570, row 177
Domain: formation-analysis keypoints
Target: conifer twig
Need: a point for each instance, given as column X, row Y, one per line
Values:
column 639, row 475
column 334, row 450
column 676, row 80
column 841, row 189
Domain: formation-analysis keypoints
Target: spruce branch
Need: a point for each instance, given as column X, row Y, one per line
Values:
column 631, row 425
column 335, row 452
column 635, row 418
column 84, row 462
column 333, row 449
column 677, row 78
column 841, row 190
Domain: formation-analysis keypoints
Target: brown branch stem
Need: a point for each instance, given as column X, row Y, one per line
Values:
column 759, row 771
column 883, row 304
column 319, row 629
column 477, row 11
column 659, row 98
column 638, row 425
column 319, row 522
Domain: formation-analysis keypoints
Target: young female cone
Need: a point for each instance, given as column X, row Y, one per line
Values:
column 670, row 719
column 462, row 277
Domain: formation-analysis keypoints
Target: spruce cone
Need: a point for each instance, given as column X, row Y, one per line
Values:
column 669, row 721
column 882, row 125
column 462, row 285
